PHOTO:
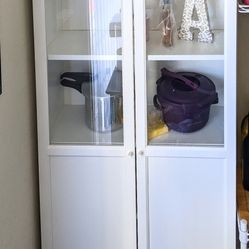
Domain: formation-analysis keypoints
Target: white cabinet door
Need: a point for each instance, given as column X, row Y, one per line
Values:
column 93, row 203
column 187, row 203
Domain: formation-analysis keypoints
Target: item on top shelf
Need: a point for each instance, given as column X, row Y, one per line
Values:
column 205, row 35
column 115, row 26
column 185, row 99
column 167, row 22
column 246, row 2
column 156, row 126
column 245, row 151
column 104, row 110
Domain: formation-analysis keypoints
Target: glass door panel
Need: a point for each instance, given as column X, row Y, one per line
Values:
column 84, row 51
column 185, row 72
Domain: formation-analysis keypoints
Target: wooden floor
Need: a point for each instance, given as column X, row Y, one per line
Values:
column 242, row 197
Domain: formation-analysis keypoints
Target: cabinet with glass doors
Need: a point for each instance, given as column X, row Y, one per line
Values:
column 115, row 170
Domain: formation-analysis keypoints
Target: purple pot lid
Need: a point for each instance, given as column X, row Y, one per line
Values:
column 175, row 90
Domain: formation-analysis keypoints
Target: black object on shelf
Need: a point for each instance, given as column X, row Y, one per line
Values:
column 185, row 99
column 75, row 80
column 245, row 152
column 115, row 85
column 103, row 108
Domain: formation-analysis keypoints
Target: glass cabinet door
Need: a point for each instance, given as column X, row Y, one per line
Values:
column 85, row 74
column 184, row 65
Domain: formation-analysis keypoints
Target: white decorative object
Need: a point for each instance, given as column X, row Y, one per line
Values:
column 202, row 23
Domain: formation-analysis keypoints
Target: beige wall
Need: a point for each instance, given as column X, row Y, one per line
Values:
column 19, row 219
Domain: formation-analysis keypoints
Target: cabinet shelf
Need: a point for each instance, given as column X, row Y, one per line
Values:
column 185, row 50
column 210, row 135
column 70, row 128
column 75, row 45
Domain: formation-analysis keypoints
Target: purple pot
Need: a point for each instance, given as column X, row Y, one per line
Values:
column 185, row 99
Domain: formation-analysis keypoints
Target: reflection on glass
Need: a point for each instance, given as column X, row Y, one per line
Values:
column 105, row 95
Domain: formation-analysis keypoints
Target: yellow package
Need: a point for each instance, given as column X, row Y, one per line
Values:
column 156, row 126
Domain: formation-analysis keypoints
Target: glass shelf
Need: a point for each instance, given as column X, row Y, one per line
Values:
column 70, row 128
column 185, row 50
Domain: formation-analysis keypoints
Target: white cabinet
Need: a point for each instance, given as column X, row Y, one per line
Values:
column 103, row 182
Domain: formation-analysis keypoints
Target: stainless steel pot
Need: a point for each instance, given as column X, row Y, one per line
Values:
column 104, row 111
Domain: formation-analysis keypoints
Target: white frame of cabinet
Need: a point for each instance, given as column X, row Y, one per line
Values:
column 228, row 152
column 46, row 150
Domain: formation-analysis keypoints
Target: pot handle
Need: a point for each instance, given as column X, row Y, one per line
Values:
column 75, row 80
column 156, row 104
column 165, row 72
column 212, row 99
column 190, row 83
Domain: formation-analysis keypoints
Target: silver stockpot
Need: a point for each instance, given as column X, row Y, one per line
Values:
column 103, row 111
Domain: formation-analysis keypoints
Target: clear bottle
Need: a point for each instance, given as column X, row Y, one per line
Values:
column 167, row 22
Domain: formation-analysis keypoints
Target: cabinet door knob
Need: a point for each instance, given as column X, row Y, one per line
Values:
column 141, row 153
column 131, row 153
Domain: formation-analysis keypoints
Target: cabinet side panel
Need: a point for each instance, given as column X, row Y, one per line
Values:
column 187, row 203
column 93, row 203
